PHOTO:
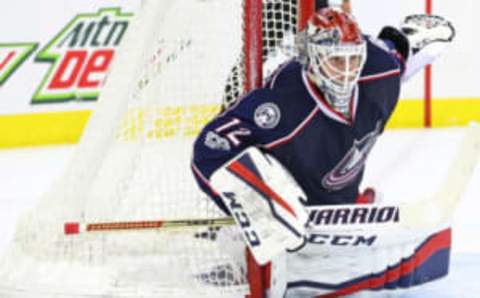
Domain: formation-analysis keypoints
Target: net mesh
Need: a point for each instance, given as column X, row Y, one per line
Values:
column 279, row 25
column 178, row 61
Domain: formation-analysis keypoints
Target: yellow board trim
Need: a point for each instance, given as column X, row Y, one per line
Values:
column 448, row 113
column 445, row 113
column 38, row 129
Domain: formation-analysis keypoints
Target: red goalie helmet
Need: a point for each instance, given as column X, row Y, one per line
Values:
column 335, row 53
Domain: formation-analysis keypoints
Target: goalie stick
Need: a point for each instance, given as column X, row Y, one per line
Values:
column 71, row 228
column 418, row 214
column 441, row 205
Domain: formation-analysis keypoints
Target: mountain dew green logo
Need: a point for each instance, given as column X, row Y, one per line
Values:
column 12, row 55
column 80, row 56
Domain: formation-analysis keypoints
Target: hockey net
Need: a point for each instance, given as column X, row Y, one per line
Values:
column 179, row 60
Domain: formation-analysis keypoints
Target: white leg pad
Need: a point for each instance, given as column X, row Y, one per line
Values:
column 265, row 202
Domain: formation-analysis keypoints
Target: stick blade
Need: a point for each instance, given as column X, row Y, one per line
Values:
column 441, row 206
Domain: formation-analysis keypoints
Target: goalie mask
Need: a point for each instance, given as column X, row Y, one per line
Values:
column 334, row 52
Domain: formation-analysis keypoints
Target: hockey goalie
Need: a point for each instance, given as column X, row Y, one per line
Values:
column 297, row 147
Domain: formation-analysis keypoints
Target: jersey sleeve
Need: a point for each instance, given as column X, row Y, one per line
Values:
column 381, row 75
column 387, row 52
column 245, row 124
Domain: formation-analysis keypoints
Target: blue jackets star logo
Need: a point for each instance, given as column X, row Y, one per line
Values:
column 352, row 163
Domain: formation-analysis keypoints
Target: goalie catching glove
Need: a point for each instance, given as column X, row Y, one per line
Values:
column 420, row 40
column 265, row 202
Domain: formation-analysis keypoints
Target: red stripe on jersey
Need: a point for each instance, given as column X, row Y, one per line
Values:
column 296, row 131
column 379, row 76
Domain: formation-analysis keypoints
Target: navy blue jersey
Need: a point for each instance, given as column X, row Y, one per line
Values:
column 289, row 119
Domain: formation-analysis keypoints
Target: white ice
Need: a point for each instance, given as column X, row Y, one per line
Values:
column 404, row 165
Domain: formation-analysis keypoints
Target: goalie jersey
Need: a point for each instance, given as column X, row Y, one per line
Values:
column 324, row 151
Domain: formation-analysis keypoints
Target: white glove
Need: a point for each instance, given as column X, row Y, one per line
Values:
column 428, row 37
column 422, row 30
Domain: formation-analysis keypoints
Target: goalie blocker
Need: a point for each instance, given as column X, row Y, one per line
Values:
column 265, row 202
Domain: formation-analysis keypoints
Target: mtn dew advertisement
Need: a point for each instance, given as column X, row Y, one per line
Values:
column 57, row 58
column 12, row 56
column 79, row 56
column 54, row 59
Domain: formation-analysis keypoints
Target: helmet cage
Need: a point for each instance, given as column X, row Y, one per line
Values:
column 335, row 68
column 333, row 51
